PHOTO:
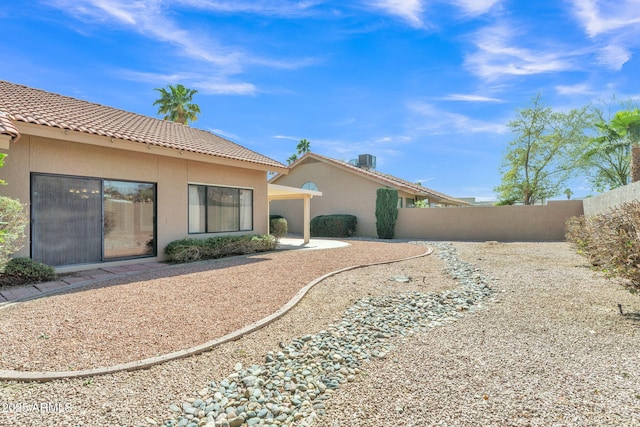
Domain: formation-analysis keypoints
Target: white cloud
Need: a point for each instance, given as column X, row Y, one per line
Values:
column 470, row 98
column 577, row 89
column 602, row 16
column 152, row 19
column 225, row 88
column 409, row 10
column 615, row 26
column 225, row 134
column 290, row 138
column 204, row 84
column 496, row 56
column 263, row 7
column 614, row 56
column 476, row 7
column 436, row 121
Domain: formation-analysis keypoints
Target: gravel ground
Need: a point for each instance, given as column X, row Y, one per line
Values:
column 553, row 350
column 123, row 320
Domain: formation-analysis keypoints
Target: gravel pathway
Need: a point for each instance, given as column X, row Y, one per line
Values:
column 552, row 350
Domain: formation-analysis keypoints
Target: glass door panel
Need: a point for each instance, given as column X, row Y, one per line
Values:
column 66, row 220
column 129, row 219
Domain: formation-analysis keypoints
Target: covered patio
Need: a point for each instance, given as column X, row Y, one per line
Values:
column 282, row 192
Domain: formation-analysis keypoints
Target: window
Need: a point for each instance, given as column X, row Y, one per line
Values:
column 309, row 185
column 215, row 209
column 78, row 220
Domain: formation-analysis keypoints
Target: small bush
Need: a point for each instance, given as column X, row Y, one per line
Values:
column 580, row 233
column 189, row 250
column 340, row 225
column 278, row 227
column 22, row 271
column 611, row 241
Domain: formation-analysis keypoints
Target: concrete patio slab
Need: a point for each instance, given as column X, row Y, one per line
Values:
column 288, row 243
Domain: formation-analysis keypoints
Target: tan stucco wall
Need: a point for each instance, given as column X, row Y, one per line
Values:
column 45, row 155
column 603, row 202
column 342, row 193
column 502, row 223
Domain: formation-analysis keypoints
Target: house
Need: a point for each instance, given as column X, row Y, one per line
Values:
column 349, row 188
column 109, row 186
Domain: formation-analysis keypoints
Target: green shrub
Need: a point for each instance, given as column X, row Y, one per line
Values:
column 21, row 271
column 386, row 212
column 278, row 227
column 339, row 225
column 611, row 241
column 188, row 250
column 13, row 220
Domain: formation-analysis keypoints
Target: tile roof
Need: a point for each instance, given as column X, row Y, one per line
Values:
column 387, row 179
column 24, row 104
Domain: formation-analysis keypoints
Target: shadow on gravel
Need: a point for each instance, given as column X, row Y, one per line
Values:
column 633, row 316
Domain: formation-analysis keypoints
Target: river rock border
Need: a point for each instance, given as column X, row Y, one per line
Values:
column 291, row 387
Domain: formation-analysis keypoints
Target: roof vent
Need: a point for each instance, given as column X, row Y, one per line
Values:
column 367, row 161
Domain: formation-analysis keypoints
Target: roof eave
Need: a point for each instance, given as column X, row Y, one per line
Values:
column 137, row 146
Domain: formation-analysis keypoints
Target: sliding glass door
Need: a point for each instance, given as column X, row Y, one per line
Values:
column 76, row 220
column 66, row 220
column 128, row 219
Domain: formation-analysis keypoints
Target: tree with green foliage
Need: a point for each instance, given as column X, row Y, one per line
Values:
column 627, row 125
column 13, row 221
column 176, row 104
column 605, row 159
column 542, row 157
column 2, row 157
column 292, row 158
column 386, row 212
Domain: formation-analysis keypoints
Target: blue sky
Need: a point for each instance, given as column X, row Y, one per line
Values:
column 428, row 87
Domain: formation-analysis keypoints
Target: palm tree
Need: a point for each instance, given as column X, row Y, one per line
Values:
column 292, row 158
column 627, row 125
column 303, row 146
column 568, row 193
column 175, row 103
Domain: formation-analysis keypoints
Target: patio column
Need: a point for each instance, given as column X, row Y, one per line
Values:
column 307, row 218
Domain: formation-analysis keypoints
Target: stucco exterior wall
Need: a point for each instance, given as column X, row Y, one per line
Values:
column 171, row 176
column 501, row 223
column 342, row 193
column 603, row 202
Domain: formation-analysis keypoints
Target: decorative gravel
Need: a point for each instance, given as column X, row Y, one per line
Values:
column 548, row 347
column 291, row 387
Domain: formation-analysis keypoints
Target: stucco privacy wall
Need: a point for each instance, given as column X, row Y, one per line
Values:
column 357, row 198
column 603, row 202
column 43, row 155
column 502, row 223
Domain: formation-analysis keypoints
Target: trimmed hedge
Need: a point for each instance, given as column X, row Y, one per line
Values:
column 340, row 225
column 386, row 212
column 189, row 250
